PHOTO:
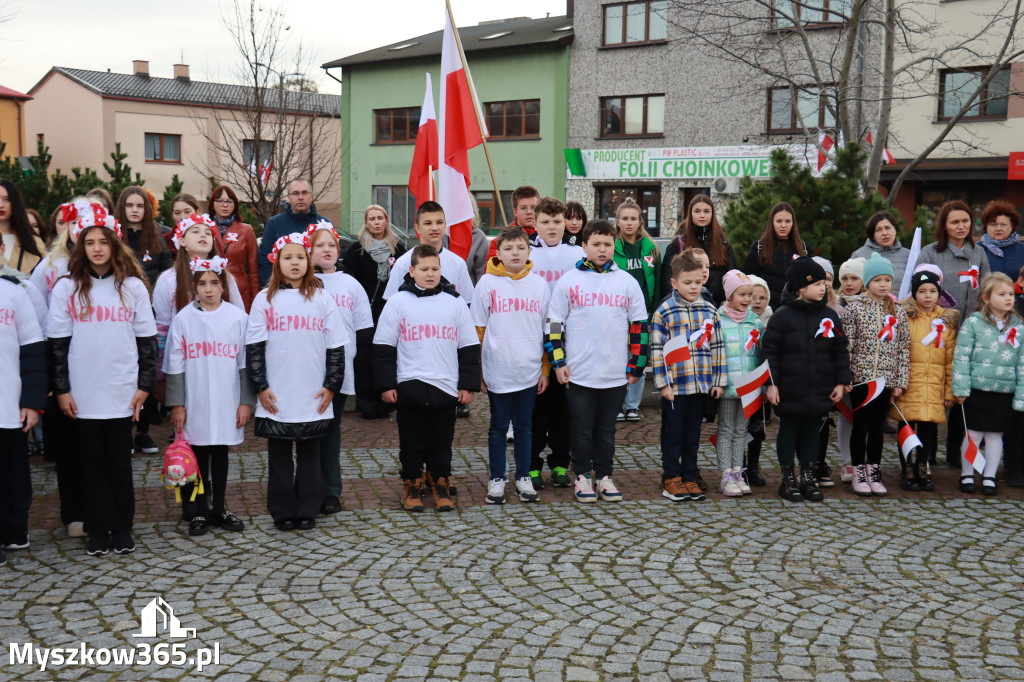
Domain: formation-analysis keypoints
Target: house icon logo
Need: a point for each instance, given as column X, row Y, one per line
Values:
column 157, row 618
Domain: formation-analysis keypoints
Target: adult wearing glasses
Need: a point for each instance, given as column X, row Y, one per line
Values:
column 299, row 215
column 236, row 241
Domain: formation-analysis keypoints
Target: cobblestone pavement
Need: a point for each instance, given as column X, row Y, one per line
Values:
column 913, row 587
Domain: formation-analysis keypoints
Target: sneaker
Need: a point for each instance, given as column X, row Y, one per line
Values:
column 226, row 521
column 198, row 526
column 16, row 539
column 584, row 490
column 674, row 490
column 632, row 415
column 442, row 498
column 847, row 473
column 823, row 475
column 510, row 434
column 693, row 491
column 607, row 490
column 538, row 482
column 741, row 480
column 559, row 478
column 145, row 444
column 620, row 417
column 495, row 491
column 99, row 545
column 123, row 542
column 524, row 488
column 727, row 486
column 875, row 480
column 701, row 482
column 76, row 529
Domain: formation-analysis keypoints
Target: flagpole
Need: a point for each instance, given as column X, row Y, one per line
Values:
column 430, row 181
column 476, row 111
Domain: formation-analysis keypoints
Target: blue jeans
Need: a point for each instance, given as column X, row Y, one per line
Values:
column 516, row 407
column 634, row 393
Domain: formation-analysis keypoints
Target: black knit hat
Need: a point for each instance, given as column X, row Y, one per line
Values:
column 803, row 272
column 924, row 277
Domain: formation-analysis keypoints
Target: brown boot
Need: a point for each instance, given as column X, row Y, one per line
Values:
column 412, row 495
column 442, row 500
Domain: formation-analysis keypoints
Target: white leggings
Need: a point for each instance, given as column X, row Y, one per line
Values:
column 993, row 452
column 844, row 430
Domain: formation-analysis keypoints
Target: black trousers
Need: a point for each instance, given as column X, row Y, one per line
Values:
column 295, row 489
column 954, row 434
column 15, row 482
column 425, row 437
column 928, row 432
column 59, row 441
column 330, row 450
column 592, row 427
column 109, row 491
column 213, row 467
column 868, row 433
column 551, row 427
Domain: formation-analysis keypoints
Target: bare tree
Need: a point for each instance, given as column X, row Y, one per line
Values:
column 876, row 54
column 277, row 126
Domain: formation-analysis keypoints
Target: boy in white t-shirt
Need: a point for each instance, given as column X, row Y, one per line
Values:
column 601, row 311
column 426, row 360
column 509, row 308
column 551, row 259
column 430, row 226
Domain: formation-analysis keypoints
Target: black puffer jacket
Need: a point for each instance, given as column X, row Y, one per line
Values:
column 774, row 271
column 360, row 265
column 714, row 283
column 804, row 364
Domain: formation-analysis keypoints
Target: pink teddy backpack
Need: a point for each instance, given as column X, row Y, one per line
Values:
column 181, row 468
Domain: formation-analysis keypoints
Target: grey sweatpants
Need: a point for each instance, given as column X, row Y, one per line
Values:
column 732, row 433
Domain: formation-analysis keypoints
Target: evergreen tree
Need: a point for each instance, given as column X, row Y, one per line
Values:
column 120, row 173
column 172, row 190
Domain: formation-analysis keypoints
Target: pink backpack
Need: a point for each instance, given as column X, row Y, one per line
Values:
column 181, row 468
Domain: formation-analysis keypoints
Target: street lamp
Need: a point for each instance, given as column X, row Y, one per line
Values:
column 280, row 115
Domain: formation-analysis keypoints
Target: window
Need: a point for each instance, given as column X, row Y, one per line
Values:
column 266, row 157
column 811, row 12
column 629, row 23
column 810, row 108
column 401, row 206
column 649, row 198
column 957, row 85
column 396, row 126
column 490, row 216
column 512, row 120
column 162, row 148
column 632, row 116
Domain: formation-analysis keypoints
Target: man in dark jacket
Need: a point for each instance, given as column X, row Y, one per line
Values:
column 299, row 215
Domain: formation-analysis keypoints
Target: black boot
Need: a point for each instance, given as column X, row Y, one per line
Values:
column 808, row 484
column 908, row 477
column 924, row 481
column 788, row 489
column 752, row 463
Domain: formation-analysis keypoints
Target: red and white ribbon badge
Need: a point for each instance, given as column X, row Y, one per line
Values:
column 970, row 275
column 888, row 332
column 935, row 335
column 826, row 329
column 752, row 339
column 1010, row 338
column 703, row 335
column 231, row 237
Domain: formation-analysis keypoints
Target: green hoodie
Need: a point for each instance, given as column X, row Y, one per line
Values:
column 643, row 261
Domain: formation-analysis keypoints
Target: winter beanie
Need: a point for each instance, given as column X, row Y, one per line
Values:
column 803, row 272
column 924, row 277
column 825, row 264
column 854, row 266
column 733, row 280
column 876, row 267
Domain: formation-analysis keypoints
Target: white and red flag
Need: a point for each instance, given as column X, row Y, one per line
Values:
column 424, row 157
column 702, row 335
column 908, row 440
column 461, row 129
column 676, row 350
column 972, row 454
column 875, row 388
column 260, row 171
column 934, row 337
column 844, row 409
column 826, row 142
column 888, row 332
column 887, row 156
column 749, row 388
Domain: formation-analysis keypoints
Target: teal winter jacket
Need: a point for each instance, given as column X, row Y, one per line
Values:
column 735, row 337
column 984, row 360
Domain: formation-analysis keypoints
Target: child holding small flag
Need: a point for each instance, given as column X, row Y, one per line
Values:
column 805, row 346
column 988, row 379
column 851, row 288
column 689, row 362
column 923, row 405
column 755, row 427
column 740, row 330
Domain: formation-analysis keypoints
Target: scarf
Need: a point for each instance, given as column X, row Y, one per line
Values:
column 224, row 223
column 736, row 316
column 584, row 264
column 996, row 246
column 380, row 252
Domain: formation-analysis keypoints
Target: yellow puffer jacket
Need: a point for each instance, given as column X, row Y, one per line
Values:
column 931, row 368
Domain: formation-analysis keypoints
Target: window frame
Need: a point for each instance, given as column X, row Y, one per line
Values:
column 259, row 162
column 797, row 6
column 795, row 127
column 406, row 227
column 647, row 25
column 504, row 119
column 162, row 158
column 412, row 118
column 982, row 101
column 622, row 104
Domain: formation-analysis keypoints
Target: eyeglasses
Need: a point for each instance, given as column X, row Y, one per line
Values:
column 223, row 202
column 305, row 193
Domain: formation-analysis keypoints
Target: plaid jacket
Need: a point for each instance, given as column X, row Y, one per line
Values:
column 707, row 367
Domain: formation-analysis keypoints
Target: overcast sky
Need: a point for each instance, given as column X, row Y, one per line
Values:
column 109, row 34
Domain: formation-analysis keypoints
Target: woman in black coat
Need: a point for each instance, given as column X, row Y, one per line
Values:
column 701, row 229
column 770, row 256
column 369, row 260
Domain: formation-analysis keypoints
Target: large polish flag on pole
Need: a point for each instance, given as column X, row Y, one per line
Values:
column 424, row 157
column 461, row 130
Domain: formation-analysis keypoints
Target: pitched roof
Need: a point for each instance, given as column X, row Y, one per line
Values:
column 200, row 93
column 7, row 93
column 499, row 35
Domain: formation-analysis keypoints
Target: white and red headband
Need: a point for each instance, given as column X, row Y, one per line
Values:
column 92, row 215
column 195, row 219
column 293, row 238
column 214, row 264
column 323, row 224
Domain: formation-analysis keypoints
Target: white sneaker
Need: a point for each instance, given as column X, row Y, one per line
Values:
column 847, row 473
column 510, row 434
column 76, row 529
column 584, row 489
column 495, row 491
column 727, row 486
column 524, row 487
column 621, row 416
column 741, row 480
column 607, row 490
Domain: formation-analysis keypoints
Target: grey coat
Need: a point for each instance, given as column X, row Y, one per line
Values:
column 897, row 254
column 953, row 261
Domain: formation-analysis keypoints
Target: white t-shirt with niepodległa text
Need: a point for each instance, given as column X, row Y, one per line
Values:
column 596, row 309
column 297, row 334
column 165, row 289
column 19, row 327
column 513, row 312
column 354, row 308
column 208, row 347
column 453, row 269
column 47, row 273
column 103, row 360
column 428, row 332
column 551, row 262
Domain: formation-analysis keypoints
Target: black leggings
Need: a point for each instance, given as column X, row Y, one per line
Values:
column 213, row 467
column 868, row 432
column 295, row 490
column 107, row 474
column 928, row 432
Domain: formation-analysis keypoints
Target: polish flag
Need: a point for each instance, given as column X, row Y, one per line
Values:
column 826, row 142
column 972, row 454
column 844, row 409
column 713, row 440
column 675, row 351
column 875, row 388
column 424, row 158
column 908, row 440
column 748, row 388
column 460, row 131
column 887, row 157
